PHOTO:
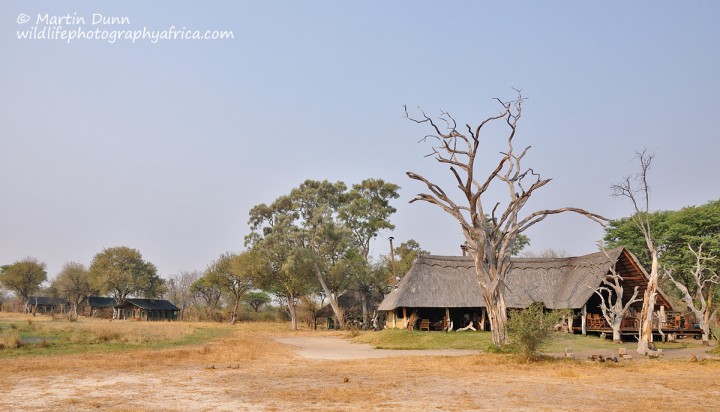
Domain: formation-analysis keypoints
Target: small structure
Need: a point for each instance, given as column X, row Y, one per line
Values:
column 147, row 309
column 101, row 306
column 445, row 288
column 46, row 304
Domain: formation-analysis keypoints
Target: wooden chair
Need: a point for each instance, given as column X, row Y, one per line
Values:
column 425, row 324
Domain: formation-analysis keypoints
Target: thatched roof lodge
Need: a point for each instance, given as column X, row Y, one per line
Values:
column 440, row 285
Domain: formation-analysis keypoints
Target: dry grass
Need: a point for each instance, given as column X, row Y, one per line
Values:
column 10, row 339
column 247, row 370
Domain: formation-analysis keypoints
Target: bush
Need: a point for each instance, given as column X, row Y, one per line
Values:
column 530, row 329
column 11, row 339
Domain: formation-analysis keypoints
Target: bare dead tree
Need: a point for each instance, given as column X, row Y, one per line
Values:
column 490, row 234
column 696, row 301
column 611, row 293
column 637, row 190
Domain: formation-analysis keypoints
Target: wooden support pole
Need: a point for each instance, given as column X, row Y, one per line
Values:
column 663, row 318
column 584, row 320
column 483, row 311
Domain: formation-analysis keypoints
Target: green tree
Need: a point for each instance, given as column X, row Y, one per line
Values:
column 73, row 283
column 282, row 267
column 405, row 256
column 366, row 212
column 677, row 234
column 121, row 272
column 328, row 229
column 530, row 329
column 233, row 274
column 24, row 278
column 321, row 240
column 256, row 299
column 209, row 291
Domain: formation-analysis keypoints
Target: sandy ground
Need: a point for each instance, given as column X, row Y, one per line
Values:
column 335, row 348
column 266, row 372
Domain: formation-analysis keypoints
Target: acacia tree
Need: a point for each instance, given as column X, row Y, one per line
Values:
column 233, row 274
column 490, row 227
column 208, row 290
column 122, row 272
column 24, row 278
column 256, row 300
column 73, row 283
column 699, row 301
column 637, row 190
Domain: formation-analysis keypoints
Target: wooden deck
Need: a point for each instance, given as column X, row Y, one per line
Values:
column 630, row 326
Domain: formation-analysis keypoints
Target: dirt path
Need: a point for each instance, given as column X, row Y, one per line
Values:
column 336, row 348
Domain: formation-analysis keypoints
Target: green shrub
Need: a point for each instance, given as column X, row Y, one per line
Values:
column 530, row 329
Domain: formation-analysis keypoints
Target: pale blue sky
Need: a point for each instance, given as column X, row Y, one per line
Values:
column 165, row 147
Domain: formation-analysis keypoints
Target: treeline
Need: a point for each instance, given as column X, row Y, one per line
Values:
column 306, row 248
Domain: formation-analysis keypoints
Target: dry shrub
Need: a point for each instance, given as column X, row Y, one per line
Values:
column 107, row 335
column 11, row 339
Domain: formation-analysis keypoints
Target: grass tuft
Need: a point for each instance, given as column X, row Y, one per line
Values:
column 11, row 339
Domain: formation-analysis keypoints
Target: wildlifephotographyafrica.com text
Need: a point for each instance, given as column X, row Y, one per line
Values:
column 111, row 29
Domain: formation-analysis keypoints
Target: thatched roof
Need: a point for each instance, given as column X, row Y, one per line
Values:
column 451, row 282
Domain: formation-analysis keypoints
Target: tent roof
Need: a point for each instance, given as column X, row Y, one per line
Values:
column 149, row 304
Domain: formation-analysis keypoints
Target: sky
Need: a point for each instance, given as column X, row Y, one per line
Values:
column 164, row 145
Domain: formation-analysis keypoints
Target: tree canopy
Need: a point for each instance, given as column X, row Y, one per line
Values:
column 23, row 277
column 318, row 237
column 73, row 283
column 673, row 232
column 233, row 274
column 122, row 272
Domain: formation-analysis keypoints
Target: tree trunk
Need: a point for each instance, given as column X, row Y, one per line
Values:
column 332, row 298
column 706, row 319
column 234, row 312
column 497, row 315
column 293, row 312
column 616, row 330
column 365, row 314
column 645, row 340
